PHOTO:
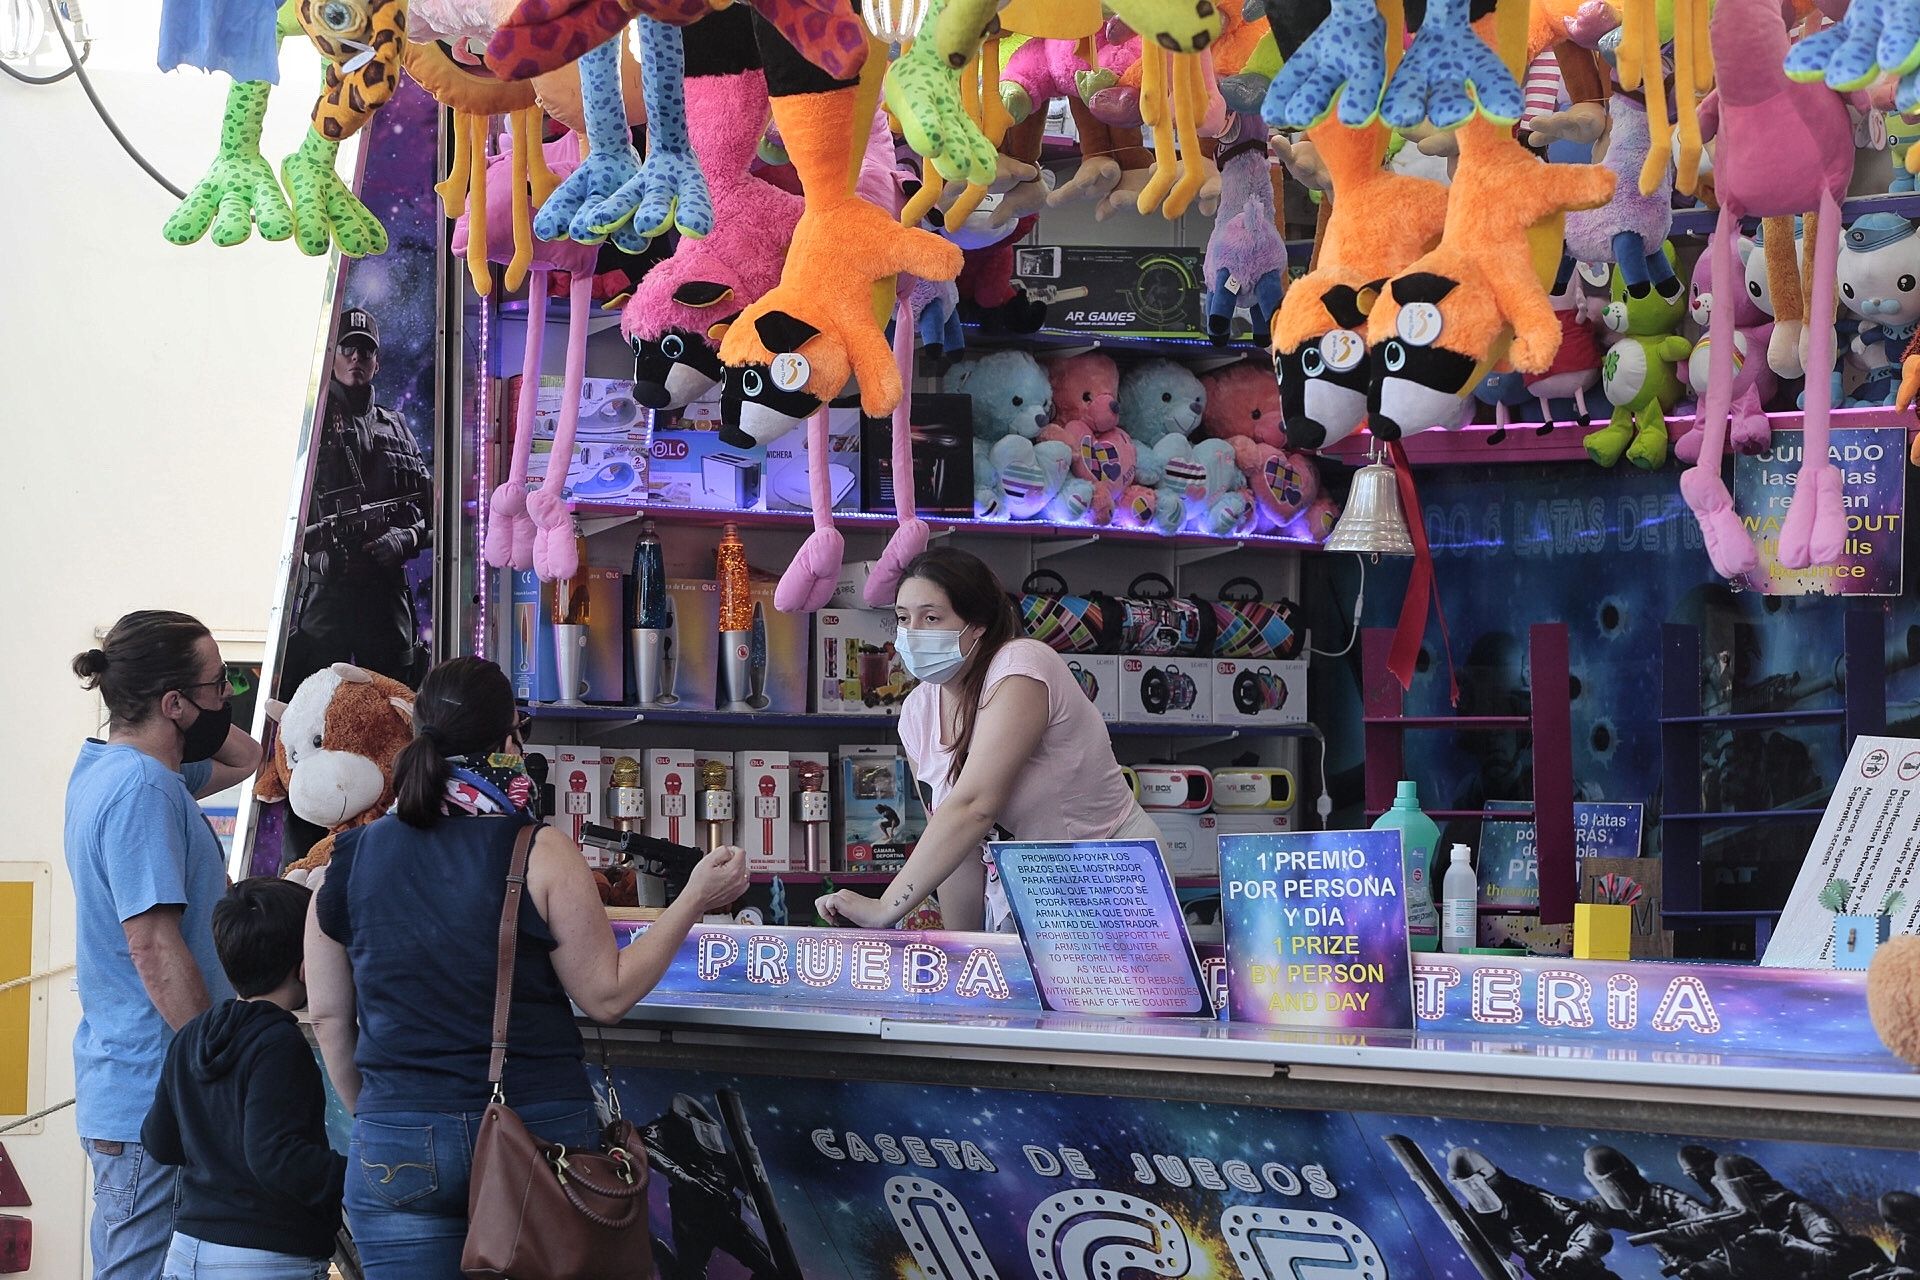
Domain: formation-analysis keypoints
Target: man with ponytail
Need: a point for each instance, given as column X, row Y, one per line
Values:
column 147, row 871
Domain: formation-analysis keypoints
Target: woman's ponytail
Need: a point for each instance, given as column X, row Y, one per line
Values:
column 420, row 774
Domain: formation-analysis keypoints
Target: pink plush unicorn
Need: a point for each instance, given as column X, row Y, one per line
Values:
column 534, row 531
column 1753, row 380
column 676, row 316
column 1783, row 147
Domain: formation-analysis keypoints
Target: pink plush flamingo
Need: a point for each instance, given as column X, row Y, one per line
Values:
column 1783, row 148
column 514, row 532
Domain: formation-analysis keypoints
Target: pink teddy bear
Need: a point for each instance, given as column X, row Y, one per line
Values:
column 1753, row 380
column 1243, row 408
column 1086, row 406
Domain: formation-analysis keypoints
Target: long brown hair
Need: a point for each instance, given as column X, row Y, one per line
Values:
column 977, row 596
column 464, row 708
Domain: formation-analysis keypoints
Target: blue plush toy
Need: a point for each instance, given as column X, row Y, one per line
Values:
column 1159, row 398
column 1013, row 477
column 1010, row 392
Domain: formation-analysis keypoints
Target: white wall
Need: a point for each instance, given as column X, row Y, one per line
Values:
column 149, row 398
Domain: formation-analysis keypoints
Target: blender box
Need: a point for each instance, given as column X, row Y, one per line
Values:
column 1259, row 691
column 1098, row 675
column 856, row 671
column 1166, row 690
column 530, row 640
column 580, row 788
column 671, row 786
column 942, row 429
column 695, row 469
column 881, row 817
column 762, row 808
column 608, row 674
column 787, row 477
column 691, row 654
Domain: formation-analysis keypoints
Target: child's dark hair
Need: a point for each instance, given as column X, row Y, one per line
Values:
column 464, row 708
column 145, row 656
column 259, row 929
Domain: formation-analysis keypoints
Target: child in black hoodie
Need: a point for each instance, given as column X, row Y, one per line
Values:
column 241, row 1107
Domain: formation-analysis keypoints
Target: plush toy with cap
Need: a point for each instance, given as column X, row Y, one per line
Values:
column 333, row 757
column 1879, row 279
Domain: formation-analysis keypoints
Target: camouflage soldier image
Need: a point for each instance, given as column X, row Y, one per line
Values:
column 1688, row 1237
column 705, row 1195
column 1786, row 1235
column 1553, row 1236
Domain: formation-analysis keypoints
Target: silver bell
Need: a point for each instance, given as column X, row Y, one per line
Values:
column 1373, row 523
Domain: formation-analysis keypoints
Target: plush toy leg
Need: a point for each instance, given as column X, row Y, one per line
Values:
column 541, row 179
column 809, row 580
column 1189, row 101
column 973, row 100
column 1728, row 546
column 1688, row 35
column 555, row 553
column 1500, row 419
column 1268, row 292
column 509, row 539
column 1630, row 259
column 1789, row 300
column 1659, row 128
column 1815, row 529
column 523, row 143
column 910, row 537
column 452, row 189
column 925, row 198
column 1158, row 115
column 1609, row 443
column 477, row 265
column 1649, row 448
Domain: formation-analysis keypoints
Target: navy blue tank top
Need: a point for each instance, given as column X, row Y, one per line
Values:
column 419, row 914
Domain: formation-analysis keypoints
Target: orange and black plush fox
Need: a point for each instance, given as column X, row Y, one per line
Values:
column 1380, row 222
column 800, row 343
column 1480, row 295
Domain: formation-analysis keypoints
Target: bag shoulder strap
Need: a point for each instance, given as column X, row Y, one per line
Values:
column 509, row 944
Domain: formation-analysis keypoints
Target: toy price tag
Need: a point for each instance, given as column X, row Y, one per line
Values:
column 789, row 371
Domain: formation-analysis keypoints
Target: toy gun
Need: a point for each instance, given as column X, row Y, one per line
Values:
column 1691, row 1229
column 351, row 524
column 652, row 855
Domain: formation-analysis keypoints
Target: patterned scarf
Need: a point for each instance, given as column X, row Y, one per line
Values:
column 492, row 784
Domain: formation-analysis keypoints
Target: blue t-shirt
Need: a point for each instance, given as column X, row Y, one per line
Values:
column 136, row 839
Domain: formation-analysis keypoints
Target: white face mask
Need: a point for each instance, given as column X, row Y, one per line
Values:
column 930, row 656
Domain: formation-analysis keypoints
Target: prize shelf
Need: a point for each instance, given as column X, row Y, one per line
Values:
column 804, row 720
column 886, row 877
column 599, row 517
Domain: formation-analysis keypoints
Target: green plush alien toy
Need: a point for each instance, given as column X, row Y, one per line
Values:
column 1640, row 375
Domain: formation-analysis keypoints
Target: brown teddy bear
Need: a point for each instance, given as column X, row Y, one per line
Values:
column 333, row 759
column 1893, row 995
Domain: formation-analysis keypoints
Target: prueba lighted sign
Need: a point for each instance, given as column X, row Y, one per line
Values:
column 849, row 967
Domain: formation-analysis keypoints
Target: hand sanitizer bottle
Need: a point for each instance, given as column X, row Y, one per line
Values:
column 1459, row 903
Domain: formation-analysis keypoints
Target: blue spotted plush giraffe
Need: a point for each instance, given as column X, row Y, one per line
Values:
column 1448, row 73
column 1873, row 38
column 1346, row 56
column 611, row 160
column 669, row 189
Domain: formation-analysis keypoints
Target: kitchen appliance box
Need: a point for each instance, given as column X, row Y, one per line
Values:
column 855, row 669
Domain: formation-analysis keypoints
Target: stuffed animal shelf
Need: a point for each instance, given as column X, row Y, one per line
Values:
column 333, row 757
column 1086, row 406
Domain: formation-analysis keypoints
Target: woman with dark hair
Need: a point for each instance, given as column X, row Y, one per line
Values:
column 1001, row 740
column 401, row 956
column 147, row 871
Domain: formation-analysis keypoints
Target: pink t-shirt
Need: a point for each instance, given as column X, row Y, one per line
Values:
column 1071, row 789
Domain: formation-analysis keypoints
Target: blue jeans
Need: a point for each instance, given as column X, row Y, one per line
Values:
column 407, row 1173
column 191, row 1259
column 135, row 1199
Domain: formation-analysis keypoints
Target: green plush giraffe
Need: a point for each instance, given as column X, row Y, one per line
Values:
column 1640, row 375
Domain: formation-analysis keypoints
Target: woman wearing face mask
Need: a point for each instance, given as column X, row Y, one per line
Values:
column 1001, row 740
column 147, row 871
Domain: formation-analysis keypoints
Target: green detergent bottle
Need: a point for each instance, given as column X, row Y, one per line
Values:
column 1418, row 839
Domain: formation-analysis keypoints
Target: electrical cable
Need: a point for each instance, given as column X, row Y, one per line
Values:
column 28, row 29
column 78, row 69
column 1359, row 603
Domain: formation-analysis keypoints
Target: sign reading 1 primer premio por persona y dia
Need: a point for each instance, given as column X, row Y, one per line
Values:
column 1316, row 926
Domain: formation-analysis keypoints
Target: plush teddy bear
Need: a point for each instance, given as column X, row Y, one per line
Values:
column 1638, row 375
column 1220, row 503
column 1753, row 380
column 1086, row 402
column 1281, row 483
column 1159, row 398
column 1893, row 995
column 333, row 758
column 1021, row 479
column 1009, row 391
column 1322, row 514
column 1242, row 403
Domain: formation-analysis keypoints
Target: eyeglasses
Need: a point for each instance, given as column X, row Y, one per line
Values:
column 355, row 351
column 224, row 684
column 522, row 728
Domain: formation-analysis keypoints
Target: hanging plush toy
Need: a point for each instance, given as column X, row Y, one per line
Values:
column 1879, row 279
column 682, row 308
column 1749, row 429
column 1575, row 368
column 540, row 36
column 1478, row 295
column 1781, row 147
column 1246, row 258
column 1629, row 228
column 1640, row 376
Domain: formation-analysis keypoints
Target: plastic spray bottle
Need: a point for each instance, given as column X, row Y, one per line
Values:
column 1418, row 839
column 1459, row 903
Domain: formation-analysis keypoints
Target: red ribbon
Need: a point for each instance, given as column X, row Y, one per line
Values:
column 1412, row 627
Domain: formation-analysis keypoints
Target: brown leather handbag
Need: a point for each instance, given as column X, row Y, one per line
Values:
column 537, row 1210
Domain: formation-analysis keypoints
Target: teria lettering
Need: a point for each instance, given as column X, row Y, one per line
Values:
column 767, row 960
column 1564, row 999
column 1686, row 1007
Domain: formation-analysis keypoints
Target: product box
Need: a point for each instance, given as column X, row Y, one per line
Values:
column 695, row 469
column 1098, row 675
column 609, row 462
column 543, row 771
column 692, row 652
column 1216, row 825
column 849, row 591
column 762, row 806
column 1166, row 690
column 880, row 818
column 810, row 811
column 1188, row 844
column 714, row 804
column 530, row 643
column 1259, row 691
column 671, row 784
column 942, row 430
column 580, row 790
column 606, row 669
column 855, row 669
column 1144, row 292
column 787, row 477
column 787, row 651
